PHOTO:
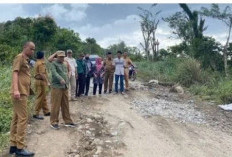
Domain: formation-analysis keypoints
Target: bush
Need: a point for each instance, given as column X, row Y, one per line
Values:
column 189, row 72
column 162, row 70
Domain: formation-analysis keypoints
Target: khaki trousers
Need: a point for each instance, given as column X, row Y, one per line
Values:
column 109, row 78
column 19, row 122
column 126, row 76
column 72, row 87
column 41, row 101
column 59, row 99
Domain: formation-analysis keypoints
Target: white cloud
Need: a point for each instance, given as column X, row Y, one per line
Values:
column 220, row 37
column 11, row 11
column 62, row 13
column 127, row 30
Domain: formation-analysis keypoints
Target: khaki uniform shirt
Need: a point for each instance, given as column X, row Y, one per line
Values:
column 128, row 62
column 21, row 66
column 108, row 63
column 40, row 69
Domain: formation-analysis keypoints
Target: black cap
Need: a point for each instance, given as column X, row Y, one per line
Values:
column 39, row 54
column 109, row 53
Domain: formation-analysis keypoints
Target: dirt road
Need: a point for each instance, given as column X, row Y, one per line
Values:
column 117, row 125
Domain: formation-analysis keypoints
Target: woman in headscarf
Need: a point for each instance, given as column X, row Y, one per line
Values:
column 98, row 76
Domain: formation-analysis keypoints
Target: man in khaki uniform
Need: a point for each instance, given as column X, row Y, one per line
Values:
column 41, row 82
column 128, row 63
column 59, row 92
column 109, row 72
column 20, row 91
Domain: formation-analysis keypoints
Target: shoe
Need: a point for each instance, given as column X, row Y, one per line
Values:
column 115, row 93
column 38, row 117
column 13, row 149
column 23, row 152
column 47, row 114
column 110, row 91
column 104, row 91
column 122, row 93
column 72, row 125
column 55, row 126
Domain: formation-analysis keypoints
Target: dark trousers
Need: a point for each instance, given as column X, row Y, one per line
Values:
column 117, row 77
column 95, row 89
column 80, row 84
column 87, row 83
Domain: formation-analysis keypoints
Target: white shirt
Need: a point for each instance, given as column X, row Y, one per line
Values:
column 73, row 64
column 119, row 66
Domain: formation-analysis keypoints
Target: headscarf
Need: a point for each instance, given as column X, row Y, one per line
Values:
column 99, row 64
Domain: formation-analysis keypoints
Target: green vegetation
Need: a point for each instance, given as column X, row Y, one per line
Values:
column 5, row 105
column 208, row 84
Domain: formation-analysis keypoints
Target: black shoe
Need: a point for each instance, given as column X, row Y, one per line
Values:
column 13, row 149
column 105, row 92
column 110, row 91
column 38, row 117
column 72, row 125
column 23, row 152
column 55, row 126
column 47, row 114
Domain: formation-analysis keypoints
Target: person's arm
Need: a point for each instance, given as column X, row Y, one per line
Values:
column 102, row 72
column 56, row 75
column 69, row 69
column 124, row 63
column 51, row 58
column 16, row 67
column 43, row 73
column 15, row 85
column 130, row 62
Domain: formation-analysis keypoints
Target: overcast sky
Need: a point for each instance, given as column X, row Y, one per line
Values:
column 109, row 23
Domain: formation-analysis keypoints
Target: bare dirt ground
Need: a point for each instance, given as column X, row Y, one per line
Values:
column 143, row 123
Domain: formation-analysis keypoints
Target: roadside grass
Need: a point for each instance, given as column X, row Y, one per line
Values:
column 207, row 84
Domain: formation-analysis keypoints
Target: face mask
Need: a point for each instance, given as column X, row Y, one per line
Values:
column 87, row 58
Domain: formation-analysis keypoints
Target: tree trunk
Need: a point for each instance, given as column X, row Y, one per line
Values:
column 225, row 50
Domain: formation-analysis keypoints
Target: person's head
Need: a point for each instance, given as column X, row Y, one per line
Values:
column 109, row 55
column 40, row 55
column 69, row 53
column 125, row 54
column 60, row 56
column 29, row 48
column 98, row 60
column 87, row 56
column 119, row 54
column 81, row 56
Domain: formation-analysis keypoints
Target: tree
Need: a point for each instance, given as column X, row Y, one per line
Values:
column 44, row 30
column 90, row 46
column 148, row 26
column 121, row 46
column 67, row 39
column 208, row 53
column 226, row 17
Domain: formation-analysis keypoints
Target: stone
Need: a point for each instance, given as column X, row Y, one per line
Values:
column 153, row 82
column 177, row 89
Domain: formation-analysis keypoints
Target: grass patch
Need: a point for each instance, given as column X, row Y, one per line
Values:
column 207, row 84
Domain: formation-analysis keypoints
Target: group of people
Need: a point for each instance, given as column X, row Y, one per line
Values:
column 65, row 70
column 82, row 69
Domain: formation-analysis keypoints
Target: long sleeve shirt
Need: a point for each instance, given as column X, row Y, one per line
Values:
column 59, row 72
